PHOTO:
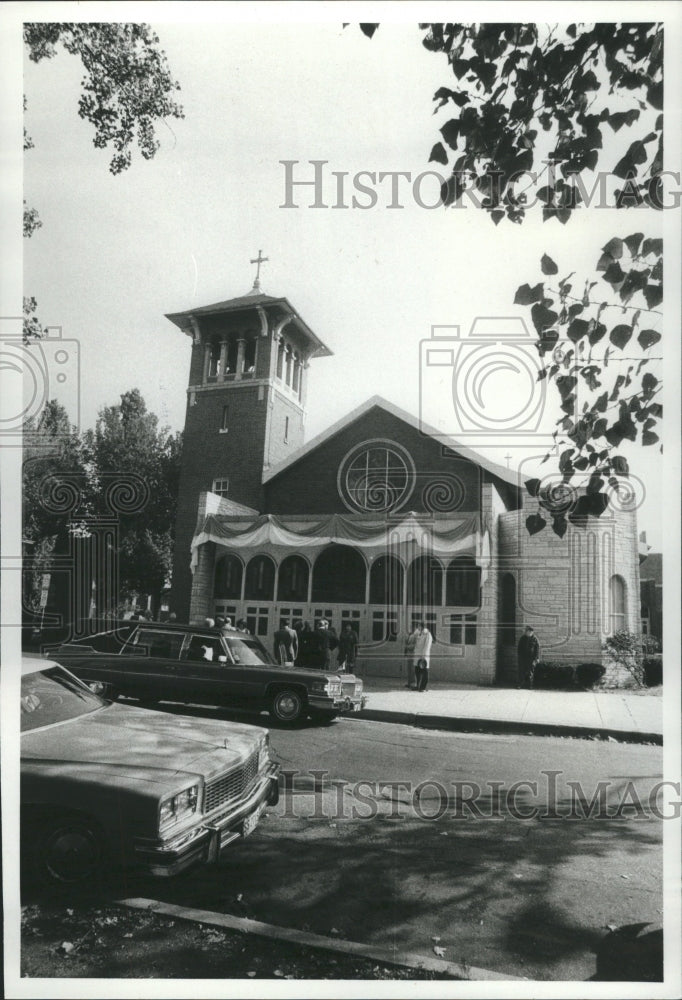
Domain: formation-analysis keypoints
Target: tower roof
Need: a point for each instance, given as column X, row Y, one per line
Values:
column 280, row 306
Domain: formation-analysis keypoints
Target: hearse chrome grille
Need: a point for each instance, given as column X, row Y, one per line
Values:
column 231, row 786
column 348, row 688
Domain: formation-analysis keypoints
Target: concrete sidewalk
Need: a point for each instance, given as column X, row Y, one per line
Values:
column 632, row 717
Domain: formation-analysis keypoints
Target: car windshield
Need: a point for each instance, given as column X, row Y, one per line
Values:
column 247, row 650
column 52, row 695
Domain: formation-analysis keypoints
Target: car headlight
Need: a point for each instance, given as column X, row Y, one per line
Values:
column 333, row 686
column 264, row 751
column 178, row 807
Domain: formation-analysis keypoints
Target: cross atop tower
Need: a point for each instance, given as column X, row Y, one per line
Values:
column 258, row 261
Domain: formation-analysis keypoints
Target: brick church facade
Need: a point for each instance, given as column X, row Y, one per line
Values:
column 377, row 522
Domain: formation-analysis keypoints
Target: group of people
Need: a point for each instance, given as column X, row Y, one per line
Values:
column 226, row 625
column 297, row 644
column 143, row 615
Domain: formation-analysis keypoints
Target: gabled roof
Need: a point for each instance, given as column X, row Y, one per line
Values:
column 507, row 475
column 250, row 301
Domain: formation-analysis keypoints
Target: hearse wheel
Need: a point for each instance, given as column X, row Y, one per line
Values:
column 287, row 705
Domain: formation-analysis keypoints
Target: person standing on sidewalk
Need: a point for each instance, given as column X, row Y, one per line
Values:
column 422, row 655
column 409, row 657
column 285, row 644
column 322, row 641
column 348, row 644
column 528, row 656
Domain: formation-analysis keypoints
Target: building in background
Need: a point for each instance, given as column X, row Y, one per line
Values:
column 378, row 521
column 651, row 591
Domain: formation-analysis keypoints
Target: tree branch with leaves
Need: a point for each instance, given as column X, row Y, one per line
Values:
column 126, row 91
column 540, row 101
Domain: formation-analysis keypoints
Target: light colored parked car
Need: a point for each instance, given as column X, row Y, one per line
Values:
column 103, row 783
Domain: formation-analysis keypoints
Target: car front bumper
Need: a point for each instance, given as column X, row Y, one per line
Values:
column 345, row 703
column 204, row 843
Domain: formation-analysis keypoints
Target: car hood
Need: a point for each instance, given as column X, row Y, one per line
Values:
column 136, row 741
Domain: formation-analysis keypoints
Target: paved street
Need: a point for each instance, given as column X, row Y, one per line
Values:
column 526, row 897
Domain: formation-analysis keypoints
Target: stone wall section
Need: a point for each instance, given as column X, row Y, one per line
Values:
column 563, row 583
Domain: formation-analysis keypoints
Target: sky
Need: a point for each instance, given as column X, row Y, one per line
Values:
column 117, row 253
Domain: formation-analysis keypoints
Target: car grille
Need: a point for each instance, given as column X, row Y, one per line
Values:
column 231, row 786
column 348, row 688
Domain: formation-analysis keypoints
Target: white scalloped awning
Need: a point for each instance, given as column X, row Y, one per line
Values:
column 270, row 532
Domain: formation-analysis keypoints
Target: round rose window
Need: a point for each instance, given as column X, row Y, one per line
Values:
column 376, row 477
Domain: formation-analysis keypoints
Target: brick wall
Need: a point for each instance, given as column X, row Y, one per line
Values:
column 282, row 439
column 256, row 428
column 310, row 485
column 206, row 455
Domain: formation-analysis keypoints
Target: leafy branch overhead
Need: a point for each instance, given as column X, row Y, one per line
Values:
column 596, row 341
column 579, row 107
column 538, row 98
column 127, row 88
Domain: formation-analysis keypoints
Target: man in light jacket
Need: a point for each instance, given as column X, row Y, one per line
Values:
column 422, row 653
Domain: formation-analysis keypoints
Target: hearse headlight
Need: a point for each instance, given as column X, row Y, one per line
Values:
column 333, row 686
column 264, row 751
column 178, row 807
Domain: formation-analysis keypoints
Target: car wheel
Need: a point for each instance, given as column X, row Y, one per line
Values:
column 287, row 705
column 69, row 850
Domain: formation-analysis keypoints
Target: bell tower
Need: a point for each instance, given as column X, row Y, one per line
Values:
column 246, row 402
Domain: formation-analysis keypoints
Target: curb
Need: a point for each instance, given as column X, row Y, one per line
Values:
column 466, row 724
column 375, row 953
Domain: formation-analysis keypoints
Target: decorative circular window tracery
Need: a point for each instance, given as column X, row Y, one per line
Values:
column 376, row 477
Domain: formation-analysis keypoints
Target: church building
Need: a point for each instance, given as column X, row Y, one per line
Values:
column 377, row 521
